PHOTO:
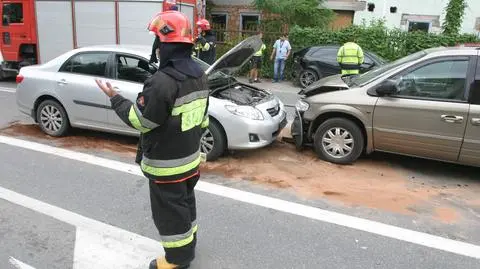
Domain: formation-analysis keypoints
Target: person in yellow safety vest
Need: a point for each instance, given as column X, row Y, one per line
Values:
column 256, row 62
column 350, row 58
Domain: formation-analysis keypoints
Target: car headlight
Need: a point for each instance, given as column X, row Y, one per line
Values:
column 245, row 111
column 302, row 105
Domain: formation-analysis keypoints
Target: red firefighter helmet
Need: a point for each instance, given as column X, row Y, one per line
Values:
column 171, row 27
column 203, row 24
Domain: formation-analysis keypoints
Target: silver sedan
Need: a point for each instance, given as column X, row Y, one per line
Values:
column 62, row 93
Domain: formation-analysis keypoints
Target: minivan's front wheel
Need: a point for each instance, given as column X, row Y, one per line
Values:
column 213, row 141
column 52, row 118
column 339, row 140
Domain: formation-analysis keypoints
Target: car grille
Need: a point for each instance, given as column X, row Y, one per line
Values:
column 274, row 110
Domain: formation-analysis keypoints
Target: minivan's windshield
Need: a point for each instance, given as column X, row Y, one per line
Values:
column 371, row 75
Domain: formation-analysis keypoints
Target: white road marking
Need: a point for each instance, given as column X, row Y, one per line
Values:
column 18, row 264
column 10, row 90
column 390, row 231
column 97, row 245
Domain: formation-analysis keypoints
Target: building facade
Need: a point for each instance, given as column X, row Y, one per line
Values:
column 424, row 15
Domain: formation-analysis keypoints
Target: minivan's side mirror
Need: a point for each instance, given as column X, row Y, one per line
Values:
column 387, row 87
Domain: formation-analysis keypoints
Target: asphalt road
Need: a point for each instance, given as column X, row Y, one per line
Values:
column 60, row 209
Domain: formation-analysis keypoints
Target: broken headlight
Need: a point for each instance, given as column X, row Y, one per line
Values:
column 302, row 105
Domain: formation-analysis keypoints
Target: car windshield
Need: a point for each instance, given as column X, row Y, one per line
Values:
column 373, row 74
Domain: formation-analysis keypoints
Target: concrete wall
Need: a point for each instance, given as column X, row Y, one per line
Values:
column 423, row 10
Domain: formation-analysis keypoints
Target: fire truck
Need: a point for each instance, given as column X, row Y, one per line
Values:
column 36, row 31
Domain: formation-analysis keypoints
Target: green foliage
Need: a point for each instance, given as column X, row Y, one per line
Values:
column 391, row 44
column 304, row 13
column 455, row 11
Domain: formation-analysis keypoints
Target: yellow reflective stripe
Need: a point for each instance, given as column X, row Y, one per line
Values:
column 349, row 60
column 190, row 106
column 206, row 46
column 350, row 72
column 205, row 122
column 135, row 121
column 170, row 171
column 182, row 242
column 260, row 51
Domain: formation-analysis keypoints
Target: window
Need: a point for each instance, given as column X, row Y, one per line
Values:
column 418, row 26
column 219, row 24
column 250, row 22
column 438, row 80
column 326, row 55
column 12, row 13
column 92, row 64
column 475, row 88
column 133, row 69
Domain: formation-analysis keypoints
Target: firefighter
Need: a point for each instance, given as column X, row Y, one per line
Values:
column 171, row 114
column 206, row 42
column 350, row 58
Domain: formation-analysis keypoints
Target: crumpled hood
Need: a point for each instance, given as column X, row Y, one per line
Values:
column 326, row 84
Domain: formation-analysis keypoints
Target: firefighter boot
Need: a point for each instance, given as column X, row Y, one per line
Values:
column 162, row 263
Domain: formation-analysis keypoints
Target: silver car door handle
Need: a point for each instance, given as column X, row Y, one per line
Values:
column 475, row 121
column 117, row 89
column 62, row 82
column 452, row 119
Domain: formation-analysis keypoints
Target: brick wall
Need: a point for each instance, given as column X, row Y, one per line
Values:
column 234, row 13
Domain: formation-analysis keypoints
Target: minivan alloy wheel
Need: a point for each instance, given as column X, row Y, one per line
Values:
column 338, row 142
column 51, row 118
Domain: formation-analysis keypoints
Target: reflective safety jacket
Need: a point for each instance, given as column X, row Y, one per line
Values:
column 205, row 48
column 259, row 53
column 171, row 114
column 350, row 57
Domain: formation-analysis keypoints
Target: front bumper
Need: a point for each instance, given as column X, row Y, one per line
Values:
column 300, row 130
column 253, row 134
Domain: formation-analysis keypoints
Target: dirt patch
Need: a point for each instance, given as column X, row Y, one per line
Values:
column 367, row 183
column 447, row 214
column 88, row 140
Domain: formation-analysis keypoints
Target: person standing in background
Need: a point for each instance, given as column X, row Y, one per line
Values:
column 350, row 57
column 281, row 51
column 257, row 62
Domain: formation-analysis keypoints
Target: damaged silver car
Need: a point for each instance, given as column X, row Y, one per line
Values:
column 62, row 93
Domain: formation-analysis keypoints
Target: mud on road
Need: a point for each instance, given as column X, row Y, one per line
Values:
column 396, row 184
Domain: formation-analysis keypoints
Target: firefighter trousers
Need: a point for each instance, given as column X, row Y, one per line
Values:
column 174, row 213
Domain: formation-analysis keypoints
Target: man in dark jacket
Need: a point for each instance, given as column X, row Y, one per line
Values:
column 171, row 114
column 206, row 42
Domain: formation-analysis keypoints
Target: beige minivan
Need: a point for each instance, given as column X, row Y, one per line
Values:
column 425, row 105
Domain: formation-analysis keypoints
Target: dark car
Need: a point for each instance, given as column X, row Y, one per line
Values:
column 314, row 63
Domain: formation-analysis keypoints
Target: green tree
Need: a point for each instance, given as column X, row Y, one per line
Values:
column 304, row 13
column 455, row 11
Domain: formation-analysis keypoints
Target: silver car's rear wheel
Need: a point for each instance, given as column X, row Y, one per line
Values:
column 52, row 118
column 213, row 141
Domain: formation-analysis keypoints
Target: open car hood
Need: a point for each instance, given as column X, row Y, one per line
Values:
column 327, row 84
column 235, row 58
